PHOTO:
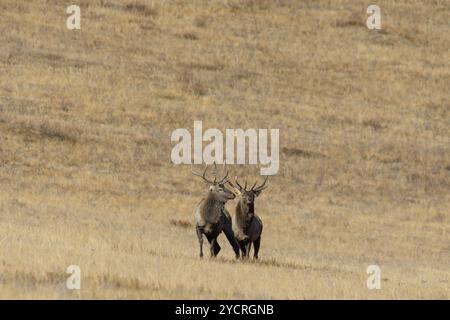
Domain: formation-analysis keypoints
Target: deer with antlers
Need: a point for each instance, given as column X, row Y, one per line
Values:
column 211, row 216
column 247, row 226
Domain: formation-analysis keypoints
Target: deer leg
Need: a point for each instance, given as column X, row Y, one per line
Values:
column 231, row 239
column 257, row 243
column 242, row 245
column 200, row 241
column 217, row 247
column 213, row 247
column 247, row 248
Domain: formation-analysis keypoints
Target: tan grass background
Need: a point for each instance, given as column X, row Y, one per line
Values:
column 85, row 124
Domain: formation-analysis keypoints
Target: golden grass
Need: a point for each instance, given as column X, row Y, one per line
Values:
column 85, row 123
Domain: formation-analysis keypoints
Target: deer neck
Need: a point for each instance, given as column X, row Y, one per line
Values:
column 246, row 208
column 244, row 213
column 211, row 208
column 251, row 208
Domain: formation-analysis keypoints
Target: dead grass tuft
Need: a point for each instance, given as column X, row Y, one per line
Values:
column 353, row 19
column 192, row 84
column 181, row 223
column 189, row 35
column 201, row 21
column 302, row 153
column 141, row 8
column 374, row 124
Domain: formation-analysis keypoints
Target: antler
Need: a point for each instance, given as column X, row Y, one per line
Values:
column 224, row 179
column 235, row 180
column 203, row 176
column 236, row 184
column 257, row 189
column 239, row 187
column 261, row 187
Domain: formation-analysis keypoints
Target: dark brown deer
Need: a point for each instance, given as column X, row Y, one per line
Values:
column 211, row 216
column 247, row 226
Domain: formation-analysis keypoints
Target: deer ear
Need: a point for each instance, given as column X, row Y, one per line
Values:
column 257, row 193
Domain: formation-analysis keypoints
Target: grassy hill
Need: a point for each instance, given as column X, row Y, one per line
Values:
column 85, row 124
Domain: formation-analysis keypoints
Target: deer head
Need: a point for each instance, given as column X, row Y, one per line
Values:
column 217, row 187
column 247, row 197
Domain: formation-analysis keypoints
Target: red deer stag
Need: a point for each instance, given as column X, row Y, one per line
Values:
column 211, row 216
column 247, row 226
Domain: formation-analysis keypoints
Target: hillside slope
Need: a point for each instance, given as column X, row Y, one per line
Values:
column 86, row 118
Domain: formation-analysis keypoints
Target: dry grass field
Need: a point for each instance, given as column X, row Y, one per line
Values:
column 86, row 118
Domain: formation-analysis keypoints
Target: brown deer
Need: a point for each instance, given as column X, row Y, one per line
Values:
column 211, row 216
column 247, row 226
